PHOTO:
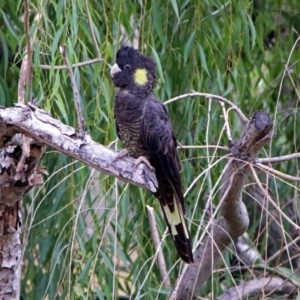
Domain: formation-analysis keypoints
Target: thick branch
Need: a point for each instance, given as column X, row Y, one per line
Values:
column 13, row 185
column 41, row 127
column 234, row 220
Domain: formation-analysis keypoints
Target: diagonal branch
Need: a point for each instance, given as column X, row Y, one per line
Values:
column 234, row 218
column 252, row 288
column 41, row 127
column 76, row 96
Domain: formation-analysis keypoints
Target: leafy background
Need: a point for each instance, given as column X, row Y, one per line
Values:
column 87, row 234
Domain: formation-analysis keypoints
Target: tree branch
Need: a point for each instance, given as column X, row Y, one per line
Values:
column 254, row 287
column 234, row 220
column 212, row 96
column 76, row 96
column 13, row 185
column 64, row 67
column 41, row 127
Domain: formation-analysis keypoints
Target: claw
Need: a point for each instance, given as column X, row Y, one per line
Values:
column 140, row 160
column 137, row 162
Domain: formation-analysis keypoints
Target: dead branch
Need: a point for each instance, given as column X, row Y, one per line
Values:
column 76, row 96
column 212, row 96
column 234, row 218
column 13, row 186
column 41, row 127
column 278, row 159
column 64, row 67
column 254, row 287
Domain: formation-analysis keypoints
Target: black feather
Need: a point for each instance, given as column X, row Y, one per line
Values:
column 143, row 125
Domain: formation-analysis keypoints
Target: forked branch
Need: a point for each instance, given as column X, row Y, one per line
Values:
column 234, row 218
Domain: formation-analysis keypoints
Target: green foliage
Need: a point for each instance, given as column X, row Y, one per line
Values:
column 87, row 234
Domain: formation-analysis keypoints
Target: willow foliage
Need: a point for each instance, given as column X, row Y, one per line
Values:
column 87, row 234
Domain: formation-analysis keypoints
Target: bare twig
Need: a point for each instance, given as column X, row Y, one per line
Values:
column 278, row 173
column 202, row 147
column 292, row 81
column 281, row 81
column 28, row 60
column 254, row 287
column 24, row 87
column 277, row 208
column 279, row 252
column 157, row 246
column 80, row 119
column 206, row 95
column 225, row 115
column 278, row 159
column 234, row 220
column 81, row 64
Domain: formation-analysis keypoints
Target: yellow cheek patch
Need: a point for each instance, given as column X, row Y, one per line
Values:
column 140, row 76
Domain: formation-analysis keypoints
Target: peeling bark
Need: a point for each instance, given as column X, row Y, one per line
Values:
column 13, row 185
column 41, row 127
column 44, row 131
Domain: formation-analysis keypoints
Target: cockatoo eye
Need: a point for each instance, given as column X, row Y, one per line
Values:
column 127, row 67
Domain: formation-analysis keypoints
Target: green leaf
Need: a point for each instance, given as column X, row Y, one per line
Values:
column 9, row 25
column 60, row 104
column 158, row 63
column 203, row 59
column 188, row 47
column 253, row 32
column 220, row 82
column 175, row 7
column 157, row 21
column 86, row 269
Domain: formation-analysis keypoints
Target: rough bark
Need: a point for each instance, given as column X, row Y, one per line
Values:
column 234, row 218
column 19, row 172
column 41, row 127
column 13, row 185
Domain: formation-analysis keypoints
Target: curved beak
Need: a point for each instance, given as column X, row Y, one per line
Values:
column 114, row 69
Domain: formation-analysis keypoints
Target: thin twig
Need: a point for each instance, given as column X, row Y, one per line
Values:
column 206, row 95
column 28, row 51
column 64, row 67
column 80, row 120
column 286, row 247
column 292, row 81
column 278, row 159
column 234, row 219
column 157, row 246
column 89, row 20
column 202, row 147
column 277, row 208
column 24, row 89
column 278, row 173
column 255, row 287
column 227, row 127
column 281, row 85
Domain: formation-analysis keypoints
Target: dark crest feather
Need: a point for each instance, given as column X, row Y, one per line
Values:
column 131, row 56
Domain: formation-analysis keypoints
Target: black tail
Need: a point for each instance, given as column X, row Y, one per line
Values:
column 174, row 216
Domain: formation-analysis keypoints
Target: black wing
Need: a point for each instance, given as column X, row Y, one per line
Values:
column 158, row 138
